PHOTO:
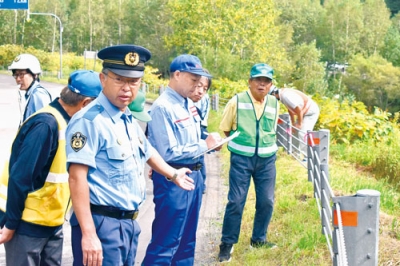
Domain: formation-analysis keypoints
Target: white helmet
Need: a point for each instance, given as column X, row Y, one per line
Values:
column 26, row 61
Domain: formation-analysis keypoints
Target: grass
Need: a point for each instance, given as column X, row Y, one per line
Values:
column 295, row 226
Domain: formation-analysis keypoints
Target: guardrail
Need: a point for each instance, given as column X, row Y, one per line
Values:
column 351, row 225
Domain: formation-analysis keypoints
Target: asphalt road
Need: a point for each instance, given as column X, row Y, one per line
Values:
column 208, row 233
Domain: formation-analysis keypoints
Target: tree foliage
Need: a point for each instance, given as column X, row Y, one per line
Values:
column 296, row 37
column 241, row 30
column 374, row 81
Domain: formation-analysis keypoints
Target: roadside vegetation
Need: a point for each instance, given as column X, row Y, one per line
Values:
column 296, row 226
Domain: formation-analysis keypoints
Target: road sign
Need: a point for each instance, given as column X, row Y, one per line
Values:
column 14, row 4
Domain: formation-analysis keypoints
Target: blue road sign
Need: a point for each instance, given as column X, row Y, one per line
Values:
column 14, row 4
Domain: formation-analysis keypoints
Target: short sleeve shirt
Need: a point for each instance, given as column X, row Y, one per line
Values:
column 291, row 99
column 115, row 153
column 229, row 116
column 174, row 130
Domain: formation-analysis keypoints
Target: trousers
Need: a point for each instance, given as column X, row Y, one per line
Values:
column 174, row 227
column 24, row 250
column 263, row 171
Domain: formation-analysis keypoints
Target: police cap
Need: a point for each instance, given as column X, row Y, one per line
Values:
column 126, row 60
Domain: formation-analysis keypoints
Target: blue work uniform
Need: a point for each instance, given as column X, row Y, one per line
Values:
column 174, row 132
column 36, row 97
column 203, row 108
column 115, row 150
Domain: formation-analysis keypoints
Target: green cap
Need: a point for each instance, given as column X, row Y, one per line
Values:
column 262, row 70
column 137, row 108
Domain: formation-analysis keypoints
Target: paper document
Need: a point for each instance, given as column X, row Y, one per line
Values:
column 223, row 141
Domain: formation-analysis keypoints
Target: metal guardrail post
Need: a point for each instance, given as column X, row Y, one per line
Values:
column 319, row 140
column 360, row 220
column 215, row 102
column 325, row 195
column 317, row 146
column 283, row 133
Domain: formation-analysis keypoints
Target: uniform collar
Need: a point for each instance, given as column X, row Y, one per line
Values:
column 176, row 96
column 31, row 88
column 111, row 109
column 55, row 104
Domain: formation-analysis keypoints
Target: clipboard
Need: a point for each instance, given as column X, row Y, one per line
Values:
column 223, row 141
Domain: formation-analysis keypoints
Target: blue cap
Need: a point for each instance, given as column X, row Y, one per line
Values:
column 188, row 63
column 262, row 70
column 85, row 82
column 126, row 60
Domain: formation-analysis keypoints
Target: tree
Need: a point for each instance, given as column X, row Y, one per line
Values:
column 374, row 81
column 242, row 29
column 394, row 6
column 309, row 73
column 376, row 24
column 303, row 16
column 340, row 30
column 391, row 48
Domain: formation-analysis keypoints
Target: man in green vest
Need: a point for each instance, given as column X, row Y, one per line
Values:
column 34, row 191
column 254, row 114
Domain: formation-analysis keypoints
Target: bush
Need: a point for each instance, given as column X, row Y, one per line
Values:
column 351, row 122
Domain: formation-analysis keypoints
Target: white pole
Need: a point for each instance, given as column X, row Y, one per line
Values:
column 61, row 30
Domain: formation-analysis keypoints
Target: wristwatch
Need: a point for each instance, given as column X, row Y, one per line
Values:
column 173, row 177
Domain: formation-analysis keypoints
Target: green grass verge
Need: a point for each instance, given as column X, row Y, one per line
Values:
column 296, row 226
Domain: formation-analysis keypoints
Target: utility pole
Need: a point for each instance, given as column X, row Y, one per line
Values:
column 61, row 30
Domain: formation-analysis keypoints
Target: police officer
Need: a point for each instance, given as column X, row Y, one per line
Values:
column 33, row 209
column 106, row 154
column 26, row 70
column 175, row 133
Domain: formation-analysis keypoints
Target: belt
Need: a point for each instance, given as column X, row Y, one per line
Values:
column 114, row 212
column 193, row 166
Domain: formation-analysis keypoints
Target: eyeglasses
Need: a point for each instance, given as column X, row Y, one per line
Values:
column 120, row 82
column 19, row 75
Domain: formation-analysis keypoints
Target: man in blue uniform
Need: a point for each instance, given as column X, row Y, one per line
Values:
column 34, row 195
column 254, row 114
column 201, row 100
column 106, row 154
column 26, row 70
column 174, row 131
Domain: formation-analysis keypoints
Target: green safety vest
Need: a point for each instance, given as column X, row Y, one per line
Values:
column 256, row 136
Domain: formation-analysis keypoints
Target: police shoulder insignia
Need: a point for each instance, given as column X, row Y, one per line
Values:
column 78, row 140
column 131, row 59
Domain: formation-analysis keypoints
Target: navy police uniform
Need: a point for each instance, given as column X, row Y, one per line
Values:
column 113, row 146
